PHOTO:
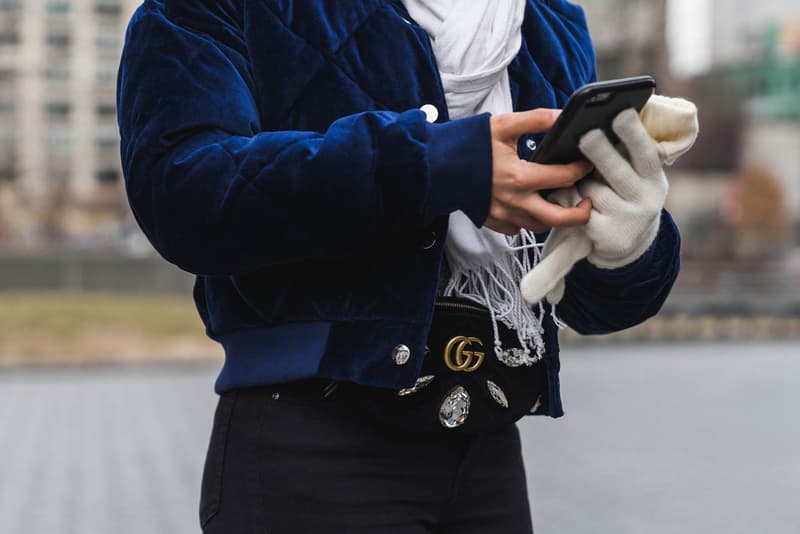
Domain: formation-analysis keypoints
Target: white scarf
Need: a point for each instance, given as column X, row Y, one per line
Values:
column 474, row 41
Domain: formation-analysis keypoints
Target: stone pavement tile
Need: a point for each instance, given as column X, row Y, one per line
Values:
column 689, row 438
column 116, row 450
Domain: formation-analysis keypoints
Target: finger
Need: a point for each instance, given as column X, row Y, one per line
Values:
column 642, row 149
column 555, row 295
column 501, row 226
column 522, row 219
column 555, row 215
column 554, row 267
column 554, row 176
column 610, row 164
column 514, row 125
column 566, row 196
column 604, row 198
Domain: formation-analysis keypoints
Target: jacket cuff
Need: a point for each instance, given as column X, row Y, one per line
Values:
column 460, row 164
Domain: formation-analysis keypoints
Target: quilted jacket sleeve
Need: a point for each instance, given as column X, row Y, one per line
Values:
column 216, row 195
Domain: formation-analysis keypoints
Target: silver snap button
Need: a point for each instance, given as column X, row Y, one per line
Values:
column 401, row 354
column 430, row 111
column 531, row 144
column 276, row 396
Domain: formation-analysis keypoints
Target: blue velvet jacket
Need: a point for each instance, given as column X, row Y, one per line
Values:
column 276, row 149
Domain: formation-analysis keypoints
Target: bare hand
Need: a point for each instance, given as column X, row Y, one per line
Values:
column 516, row 202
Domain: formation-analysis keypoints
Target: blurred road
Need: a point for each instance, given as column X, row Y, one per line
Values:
column 684, row 439
column 695, row 438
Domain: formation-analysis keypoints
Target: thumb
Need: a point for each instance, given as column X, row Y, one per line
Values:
column 514, row 125
column 555, row 266
column 557, row 293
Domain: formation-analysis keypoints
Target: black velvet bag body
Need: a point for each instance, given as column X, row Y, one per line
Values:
column 463, row 386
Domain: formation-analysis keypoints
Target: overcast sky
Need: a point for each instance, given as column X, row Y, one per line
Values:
column 689, row 33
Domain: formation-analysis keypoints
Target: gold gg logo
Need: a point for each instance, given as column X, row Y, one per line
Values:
column 461, row 359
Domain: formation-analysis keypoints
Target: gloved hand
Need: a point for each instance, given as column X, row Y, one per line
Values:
column 627, row 194
column 628, row 191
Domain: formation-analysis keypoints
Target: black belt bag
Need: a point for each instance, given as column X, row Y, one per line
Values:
column 464, row 387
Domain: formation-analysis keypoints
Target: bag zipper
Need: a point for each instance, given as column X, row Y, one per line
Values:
column 460, row 306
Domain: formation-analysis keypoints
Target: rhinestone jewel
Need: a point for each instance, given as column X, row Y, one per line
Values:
column 401, row 354
column 512, row 357
column 497, row 394
column 455, row 408
column 422, row 382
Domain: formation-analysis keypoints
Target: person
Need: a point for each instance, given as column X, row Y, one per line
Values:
column 350, row 183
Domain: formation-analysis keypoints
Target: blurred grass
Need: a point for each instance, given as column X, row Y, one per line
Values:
column 62, row 315
column 51, row 327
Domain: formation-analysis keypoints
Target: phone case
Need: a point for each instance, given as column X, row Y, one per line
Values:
column 592, row 106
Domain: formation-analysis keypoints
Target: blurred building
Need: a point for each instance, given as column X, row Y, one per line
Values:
column 737, row 27
column 629, row 37
column 59, row 148
column 767, row 81
column 749, row 102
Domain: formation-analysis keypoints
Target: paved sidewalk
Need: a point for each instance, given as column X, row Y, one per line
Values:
column 671, row 439
column 115, row 451
column 696, row 438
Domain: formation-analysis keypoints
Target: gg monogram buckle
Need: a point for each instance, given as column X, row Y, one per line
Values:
column 461, row 359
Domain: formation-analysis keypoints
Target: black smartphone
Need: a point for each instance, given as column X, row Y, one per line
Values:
column 592, row 106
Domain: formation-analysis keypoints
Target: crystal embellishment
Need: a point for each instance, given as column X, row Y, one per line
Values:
column 512, row 357
column 422, row 382
column 497, row 394
column 455, row 408
column 401, row 354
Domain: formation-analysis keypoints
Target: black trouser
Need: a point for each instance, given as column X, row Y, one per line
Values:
column 281, row 462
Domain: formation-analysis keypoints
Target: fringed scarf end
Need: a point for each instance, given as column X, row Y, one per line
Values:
column 496, row 287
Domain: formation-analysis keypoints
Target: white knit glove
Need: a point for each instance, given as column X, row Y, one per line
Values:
column 627, row 192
